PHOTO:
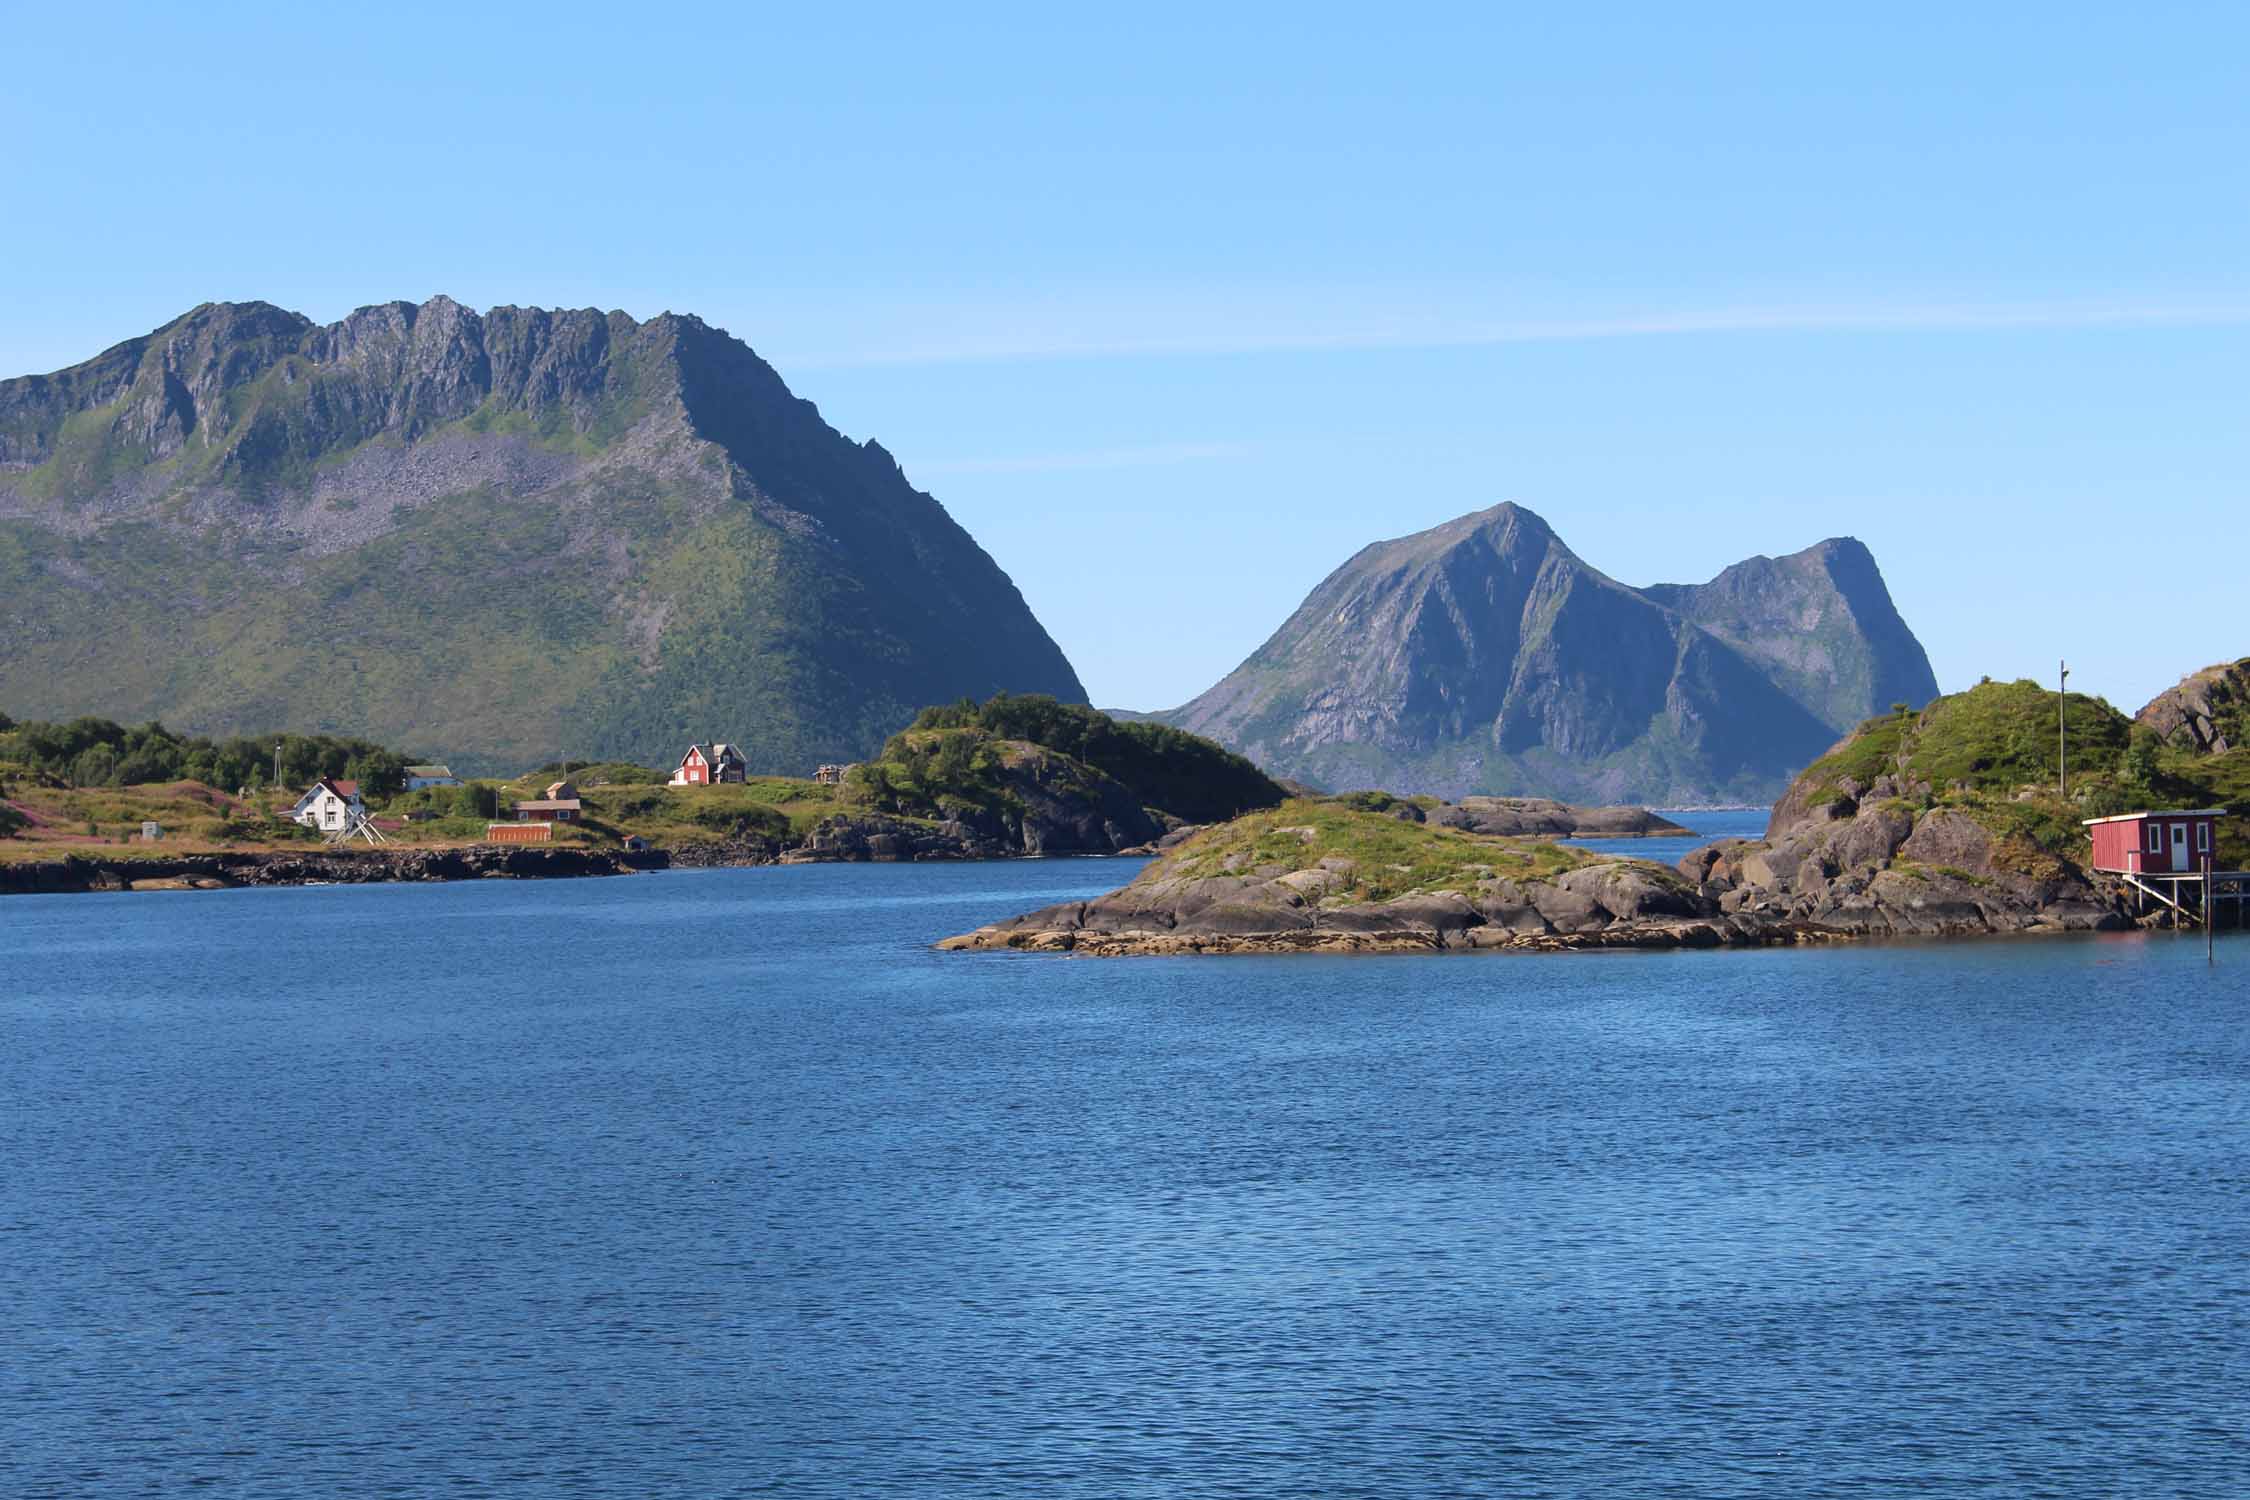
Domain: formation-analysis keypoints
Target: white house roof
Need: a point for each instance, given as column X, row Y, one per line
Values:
column 429, row 770
column 2177, row 812
column 343, row 791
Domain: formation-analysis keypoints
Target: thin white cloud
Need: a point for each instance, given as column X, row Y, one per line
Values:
column 1097, row 458
column 1941, row 318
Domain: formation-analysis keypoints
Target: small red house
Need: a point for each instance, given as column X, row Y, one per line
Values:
column 2156, row 843
column 560, row 805
column 710, row 765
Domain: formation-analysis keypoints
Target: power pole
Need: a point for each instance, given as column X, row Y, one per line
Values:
column 277, row 765
column 2062, row 735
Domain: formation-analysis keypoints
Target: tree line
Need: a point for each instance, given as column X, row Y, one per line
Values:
column 90, row 752
column 1184, row 774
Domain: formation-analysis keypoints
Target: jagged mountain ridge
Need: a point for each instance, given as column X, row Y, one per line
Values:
column 1820, row 622
column 496, row 537
column 1484, row 655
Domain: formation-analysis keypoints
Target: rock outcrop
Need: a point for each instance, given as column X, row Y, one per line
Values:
column 1604, row 905
column 1882, row 861
column 1323, row 876
column 1543, row 817
column 1345, row 875
column 1484, row 656
column 2207, row 713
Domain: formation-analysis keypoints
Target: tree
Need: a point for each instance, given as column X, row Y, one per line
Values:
column 140, row 767
column 96, row 765
column 2140, row 756
column 381, row 775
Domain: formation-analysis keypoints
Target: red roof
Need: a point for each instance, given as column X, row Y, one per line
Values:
column 345, row 788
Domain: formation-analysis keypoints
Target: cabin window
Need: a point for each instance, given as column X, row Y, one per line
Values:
column 2203, row 838
column 2156, row 838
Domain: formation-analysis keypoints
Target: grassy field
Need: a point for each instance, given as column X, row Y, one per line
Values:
column 1389, row 857
column 43, row 820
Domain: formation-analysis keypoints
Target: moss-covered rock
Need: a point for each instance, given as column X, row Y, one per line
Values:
column 1334, row 874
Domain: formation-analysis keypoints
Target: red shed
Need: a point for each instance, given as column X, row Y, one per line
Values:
column 2156, row 843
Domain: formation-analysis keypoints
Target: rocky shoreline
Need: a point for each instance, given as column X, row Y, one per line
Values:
column 1866, row 866
column 1541, row 920
column 229, row 870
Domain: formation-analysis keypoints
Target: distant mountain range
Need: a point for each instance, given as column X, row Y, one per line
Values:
column 1483, row 656
column 491, row 537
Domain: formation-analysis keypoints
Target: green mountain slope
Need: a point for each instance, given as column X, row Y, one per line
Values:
column 1484, row 656
column 492, row 537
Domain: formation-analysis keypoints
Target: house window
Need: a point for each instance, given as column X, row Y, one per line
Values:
column 2203, row 838
column 2156, row 838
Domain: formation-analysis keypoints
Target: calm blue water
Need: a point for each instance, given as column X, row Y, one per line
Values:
column 1726, row 823
column 721, row 1183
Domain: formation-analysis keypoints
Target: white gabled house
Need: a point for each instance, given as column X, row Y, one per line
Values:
column 418, row 777
column 329, row 805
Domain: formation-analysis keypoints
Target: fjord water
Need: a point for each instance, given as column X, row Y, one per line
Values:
column 723, row 1183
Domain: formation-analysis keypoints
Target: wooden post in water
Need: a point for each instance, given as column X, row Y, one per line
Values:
column 2209, row 954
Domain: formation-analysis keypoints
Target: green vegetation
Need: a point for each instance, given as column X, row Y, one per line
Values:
column 938, row 773
column 1169, row 769
column 1996, row 736
column 603, row 576
column 622, row 799
column 44, row 817
column 1389, row 857
column 90, row 752
column 1990, row 753
column 597, row 773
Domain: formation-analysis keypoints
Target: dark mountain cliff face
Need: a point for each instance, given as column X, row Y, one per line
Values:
column 498, row 537
column 1822, row 625
column 1484, row 656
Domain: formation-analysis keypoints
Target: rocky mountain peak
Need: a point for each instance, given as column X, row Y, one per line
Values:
column 1483, row 655
column 517, row 532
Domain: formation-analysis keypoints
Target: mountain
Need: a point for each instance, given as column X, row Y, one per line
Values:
column 1484, row 656
column 490, row 537
column 1820, row 623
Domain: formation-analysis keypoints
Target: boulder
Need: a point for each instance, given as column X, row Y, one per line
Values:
column 1928, row 904
column 1633, row 892
column 1569, row 911
column 1871, row 838
column 1949, row 838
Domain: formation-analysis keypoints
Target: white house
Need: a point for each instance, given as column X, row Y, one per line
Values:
column 418, row 777
column 329, row 805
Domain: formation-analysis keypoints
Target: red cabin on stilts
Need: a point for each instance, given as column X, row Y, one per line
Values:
column 2157, row 843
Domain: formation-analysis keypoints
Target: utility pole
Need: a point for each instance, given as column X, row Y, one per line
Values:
column 2062, row 735
column 277, row 765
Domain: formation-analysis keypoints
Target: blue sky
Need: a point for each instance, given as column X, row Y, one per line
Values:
column 1176, row 313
